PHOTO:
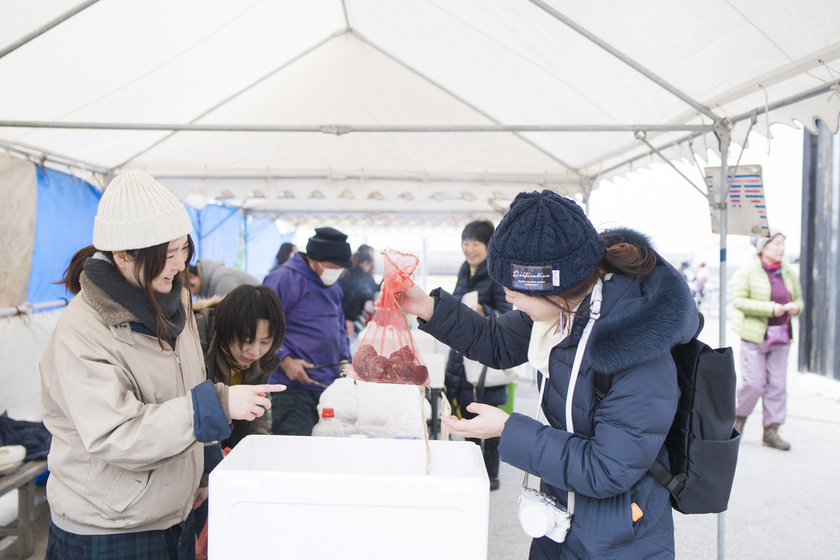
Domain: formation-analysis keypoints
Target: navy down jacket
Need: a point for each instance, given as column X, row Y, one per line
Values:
column 605, row 462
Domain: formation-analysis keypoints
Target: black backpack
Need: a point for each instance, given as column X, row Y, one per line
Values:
column 702, row 443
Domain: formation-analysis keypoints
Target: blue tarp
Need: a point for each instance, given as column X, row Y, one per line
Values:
column 250, row 242
column 64, row 224
column 66, row 209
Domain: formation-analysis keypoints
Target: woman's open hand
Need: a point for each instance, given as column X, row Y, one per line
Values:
column 489, row 422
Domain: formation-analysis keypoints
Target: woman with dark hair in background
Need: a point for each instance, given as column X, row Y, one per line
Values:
column 359, row 288
column 284, row 253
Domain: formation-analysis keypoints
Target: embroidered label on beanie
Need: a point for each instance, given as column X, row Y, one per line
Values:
column 530, row 278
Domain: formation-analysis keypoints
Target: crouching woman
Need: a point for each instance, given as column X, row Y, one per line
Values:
column 240, row 333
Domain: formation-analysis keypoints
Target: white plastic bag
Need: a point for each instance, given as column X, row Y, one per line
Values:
column 494, row 377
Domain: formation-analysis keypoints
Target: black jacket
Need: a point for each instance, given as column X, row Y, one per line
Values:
column 491, row 296
column 616, row 439
column 358, row 287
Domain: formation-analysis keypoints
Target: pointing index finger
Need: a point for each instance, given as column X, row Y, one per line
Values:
column 276, row 388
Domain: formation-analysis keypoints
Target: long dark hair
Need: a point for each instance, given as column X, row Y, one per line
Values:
column 284, row 253
column 148, row 263
column 619, row 258
column 237, row 315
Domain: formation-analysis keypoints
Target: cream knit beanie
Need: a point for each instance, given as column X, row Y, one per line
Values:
column 137, row 212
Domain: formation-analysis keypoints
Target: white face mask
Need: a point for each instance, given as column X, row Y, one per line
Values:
column 329, row 276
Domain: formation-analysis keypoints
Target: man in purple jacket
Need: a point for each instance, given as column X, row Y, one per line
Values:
column 315, row 338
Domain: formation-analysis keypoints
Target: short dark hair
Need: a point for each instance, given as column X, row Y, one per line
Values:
column 237, row 315
column 193, row 270
column 480, row 230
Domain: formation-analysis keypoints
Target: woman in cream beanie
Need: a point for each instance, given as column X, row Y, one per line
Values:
column 123, row 387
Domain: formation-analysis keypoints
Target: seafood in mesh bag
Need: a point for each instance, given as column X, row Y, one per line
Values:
column 386, row 353
column 400, row 367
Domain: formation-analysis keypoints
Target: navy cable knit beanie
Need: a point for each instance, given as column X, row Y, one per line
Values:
column 545, row 244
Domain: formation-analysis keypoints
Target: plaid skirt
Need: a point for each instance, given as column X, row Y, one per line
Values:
column 175, row 543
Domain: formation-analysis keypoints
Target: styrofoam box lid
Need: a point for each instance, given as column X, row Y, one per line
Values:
column 349, row 456
column 301, row 498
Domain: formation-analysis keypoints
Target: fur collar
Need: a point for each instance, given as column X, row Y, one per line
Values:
column 111, row 311
column 635, row 329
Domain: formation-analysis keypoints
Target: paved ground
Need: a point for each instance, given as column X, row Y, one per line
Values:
column 784, row 505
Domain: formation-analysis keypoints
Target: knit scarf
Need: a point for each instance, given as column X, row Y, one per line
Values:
column 102, row 273
column 768, row 266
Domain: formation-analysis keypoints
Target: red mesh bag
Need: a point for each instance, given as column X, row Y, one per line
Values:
column 386, row 353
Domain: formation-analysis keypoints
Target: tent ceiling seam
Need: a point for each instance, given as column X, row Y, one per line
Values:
column 151, row 71
column 230, row 98
column 626, row 59
column 464, row 101
column 347, row 26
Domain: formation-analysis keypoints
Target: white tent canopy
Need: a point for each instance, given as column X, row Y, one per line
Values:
column 428, row 106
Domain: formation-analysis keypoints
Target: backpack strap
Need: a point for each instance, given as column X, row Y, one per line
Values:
column 674, row 483
column 603, row 382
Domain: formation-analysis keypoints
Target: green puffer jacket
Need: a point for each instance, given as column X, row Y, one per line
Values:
column 751, row 298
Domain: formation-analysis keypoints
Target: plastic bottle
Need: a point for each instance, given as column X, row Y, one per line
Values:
column 328, row 426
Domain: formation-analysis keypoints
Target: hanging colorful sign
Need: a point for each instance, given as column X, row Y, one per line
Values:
column 746, row 208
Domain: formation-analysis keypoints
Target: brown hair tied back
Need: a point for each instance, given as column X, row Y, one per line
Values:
column 620, row 258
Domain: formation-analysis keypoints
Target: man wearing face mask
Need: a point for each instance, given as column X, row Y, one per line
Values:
column 316, row 339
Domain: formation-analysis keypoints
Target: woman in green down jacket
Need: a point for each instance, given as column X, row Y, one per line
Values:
column 240, row 333
column 766, row 293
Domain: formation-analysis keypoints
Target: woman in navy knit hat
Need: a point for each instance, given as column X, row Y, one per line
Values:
column 610, row 303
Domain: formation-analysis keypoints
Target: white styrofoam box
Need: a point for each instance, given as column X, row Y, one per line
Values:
column 424, row 342
column 296, row 497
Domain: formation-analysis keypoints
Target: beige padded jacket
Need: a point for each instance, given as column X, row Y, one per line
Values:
column 124, row 456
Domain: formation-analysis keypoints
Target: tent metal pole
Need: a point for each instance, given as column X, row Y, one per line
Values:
column 813, row 92
column 642, row 139
column 544, row 178
column 40, row 156
column 825, row 88
column 626, row 60
column 723, row 133
column 339, row 129
column 23, row 310
column 46, row 27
